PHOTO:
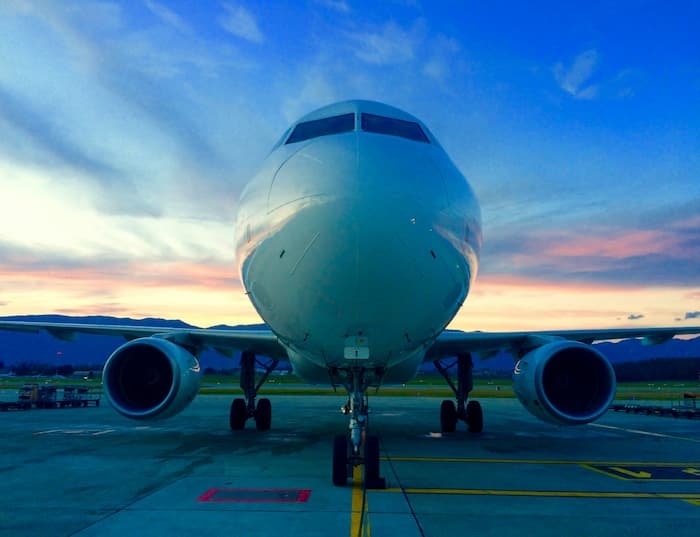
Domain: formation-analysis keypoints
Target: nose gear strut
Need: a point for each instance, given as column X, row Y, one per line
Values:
column 356, row 448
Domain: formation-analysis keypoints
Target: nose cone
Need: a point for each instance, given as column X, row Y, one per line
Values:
column 360, row 251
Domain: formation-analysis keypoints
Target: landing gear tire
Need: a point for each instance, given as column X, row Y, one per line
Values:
column 448, row 416
column 238, row 414
column 263, row 415
column 372, row 479
column 340, row 460
column 475, row 417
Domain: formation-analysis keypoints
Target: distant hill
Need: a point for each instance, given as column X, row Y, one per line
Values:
column 17, row 347
column 626, row 350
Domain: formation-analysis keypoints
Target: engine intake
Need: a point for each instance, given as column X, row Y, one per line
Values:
column 565, row 382
column 150, row 378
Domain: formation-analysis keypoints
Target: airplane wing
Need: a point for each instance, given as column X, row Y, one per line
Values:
column 262, row 342
column 487, row 344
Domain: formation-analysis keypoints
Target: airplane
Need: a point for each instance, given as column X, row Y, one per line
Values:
column 357, row 243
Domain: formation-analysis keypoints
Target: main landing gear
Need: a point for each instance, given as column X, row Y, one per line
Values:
column 242, row 409
column 470, row 412
column 357, row 447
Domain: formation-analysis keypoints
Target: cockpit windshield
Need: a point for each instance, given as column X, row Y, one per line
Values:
column 326, row 126
column 322, row 127
column 393, row 127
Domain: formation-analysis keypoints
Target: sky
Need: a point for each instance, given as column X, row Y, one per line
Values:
column 128, row 130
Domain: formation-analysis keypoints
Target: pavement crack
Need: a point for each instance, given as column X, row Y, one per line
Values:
column 404, row 493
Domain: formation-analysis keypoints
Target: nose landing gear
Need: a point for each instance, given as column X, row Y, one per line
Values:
column 357, row 447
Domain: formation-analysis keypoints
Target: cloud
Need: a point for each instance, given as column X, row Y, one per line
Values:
column 692, row 315
column 241, row 23
column 140, row 112
column 574, row 78
column 48, row 137
column 167, row 16
column 606, row 254
column 390, row 44
column 336, row 5
column 635, row 317
column 443, row 58
column 39, row 138
column 316, row 88
column 105, row 308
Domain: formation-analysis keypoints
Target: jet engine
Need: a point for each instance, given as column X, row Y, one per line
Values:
column 150, row 378
column 565, row 382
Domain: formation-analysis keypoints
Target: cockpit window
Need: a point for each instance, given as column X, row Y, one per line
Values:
column 393, row 127
column 322, row 127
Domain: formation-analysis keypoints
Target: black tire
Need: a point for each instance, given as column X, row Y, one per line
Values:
column 340, row 460
column 475, row 417
column 263, row 415
column 372, row 478
column 371, row 459
column 238, row 415
column 448, row 416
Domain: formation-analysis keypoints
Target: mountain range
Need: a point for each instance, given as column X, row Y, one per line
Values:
column 18, row 347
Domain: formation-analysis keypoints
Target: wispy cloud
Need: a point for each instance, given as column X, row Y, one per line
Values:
column 635, row 316
column 341, row 6
column 105, row 308
column 389, row 44
column 49, row 138
column 514, row 302
column 240, row 22
column 443, row 58
column 315, row 88
column 605, row 254
column 146, row 110
column 575, row 78
column 168, row 16
column 692, row 315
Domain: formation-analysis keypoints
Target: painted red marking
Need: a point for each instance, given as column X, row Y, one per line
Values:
column 245, row 495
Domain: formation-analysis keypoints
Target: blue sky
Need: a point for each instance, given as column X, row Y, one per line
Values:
column 127, row 130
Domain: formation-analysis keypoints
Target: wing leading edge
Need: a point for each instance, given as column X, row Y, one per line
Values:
column 262, row 342
column 487, row 344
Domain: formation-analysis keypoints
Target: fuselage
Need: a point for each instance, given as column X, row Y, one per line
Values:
column 358, row 240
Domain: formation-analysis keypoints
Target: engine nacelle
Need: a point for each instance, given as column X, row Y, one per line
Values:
column 150, row 378
column 565, row 382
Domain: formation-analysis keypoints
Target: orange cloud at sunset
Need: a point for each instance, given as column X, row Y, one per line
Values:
column 618, row 245
column 203, row 295
column 518, row 303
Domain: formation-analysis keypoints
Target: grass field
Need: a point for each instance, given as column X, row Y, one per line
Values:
column 421, row 386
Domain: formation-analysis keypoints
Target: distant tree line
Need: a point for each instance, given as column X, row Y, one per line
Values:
column 658, row 369
column 28, row 369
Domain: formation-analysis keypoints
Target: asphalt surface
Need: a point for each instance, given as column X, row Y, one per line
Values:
column 90, row 472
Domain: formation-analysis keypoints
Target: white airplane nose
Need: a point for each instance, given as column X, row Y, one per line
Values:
column 344, row 265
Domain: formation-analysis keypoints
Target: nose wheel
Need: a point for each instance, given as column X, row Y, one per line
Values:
column 344, row 462
column 357, row 447
column 341, row 468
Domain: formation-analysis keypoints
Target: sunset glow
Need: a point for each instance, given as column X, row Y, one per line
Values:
column 128, row 130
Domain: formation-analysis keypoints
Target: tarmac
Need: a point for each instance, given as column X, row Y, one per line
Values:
column 89, row 472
